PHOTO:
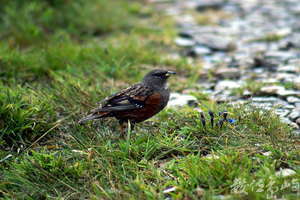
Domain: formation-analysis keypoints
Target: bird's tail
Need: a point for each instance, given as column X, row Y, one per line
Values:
column 92, row 117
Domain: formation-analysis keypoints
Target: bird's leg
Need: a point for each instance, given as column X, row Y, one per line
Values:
column 123, row 128
column 212, row 118
column 203, row 120
column 132, row 126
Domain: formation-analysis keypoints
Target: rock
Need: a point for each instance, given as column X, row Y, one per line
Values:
column 178, row 100
column 215, row 42
column 170, row 189
column 221, row 98
column 268, row 153
column 286, row 77
column 293, row 42
column 278, row 90
column 298, row 121
column 273, row 89
column 282, row 112
column 288, row 92
column 211, row 157
column 184, row 42
column 185, row 34
column 284, row 105
column 210, row 4
column 227, row 84
column 296, row 133
column 280, row 55
column 265, row 99
column 289, row 122
column 246, row 94
column 288, row 68
column 285, row 172
column 294, row 114
column 186, row 19
column 228, row 73
column 265, row 105
column 270, row 80
column 262, row 62
column 200, row 50
column 200, row 191
column 292, row 99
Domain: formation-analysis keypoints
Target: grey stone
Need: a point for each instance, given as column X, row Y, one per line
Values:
column 228, row 73
column 286, row 106
column 279, row 90
column 294, row 114
column 184, row 42
column 265, row 99
column 280, row 55
column 264, row 105
column 224, row 98
column 210, row 4
column 270, row 80
column 289, row 122
column 227, row 84
column 185, row 34
column 273, row 89
column 286, row 77
column 292, row 99
column 282, row 112
column 179, row 100
column 246, row 93
column 285, row 172
column 215, row 42
column 288, row 92
column 288, row 68
column 298, row 121
column 201, row 50
column 296, row 132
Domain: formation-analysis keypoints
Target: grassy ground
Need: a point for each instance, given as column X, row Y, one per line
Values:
column 58, row 58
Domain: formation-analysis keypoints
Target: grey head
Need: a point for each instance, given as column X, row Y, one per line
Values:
column 157, row 78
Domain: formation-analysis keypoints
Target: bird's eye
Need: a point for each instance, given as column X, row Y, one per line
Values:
column 160, row 74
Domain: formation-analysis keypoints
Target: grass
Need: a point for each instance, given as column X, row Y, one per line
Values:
column 50, row 79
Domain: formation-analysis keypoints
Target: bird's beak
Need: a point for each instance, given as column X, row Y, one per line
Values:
column 169, row 73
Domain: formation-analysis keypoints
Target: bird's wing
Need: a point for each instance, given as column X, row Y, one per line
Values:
column 130, row 98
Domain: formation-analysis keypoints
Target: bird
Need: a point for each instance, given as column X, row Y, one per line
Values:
column 136, row 103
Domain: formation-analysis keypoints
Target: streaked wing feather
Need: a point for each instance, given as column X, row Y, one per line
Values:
column 127, row 99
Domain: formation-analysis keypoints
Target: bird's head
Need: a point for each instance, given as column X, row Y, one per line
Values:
column 158, row 77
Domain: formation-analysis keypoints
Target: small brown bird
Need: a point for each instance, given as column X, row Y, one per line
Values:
column 136, row 103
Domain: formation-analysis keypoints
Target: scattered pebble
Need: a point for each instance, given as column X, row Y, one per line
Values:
column 268, row 153
column 211, row 157
column 170, row 189
column 285, row 172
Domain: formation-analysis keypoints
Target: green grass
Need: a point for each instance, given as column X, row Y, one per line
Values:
column 50, row 79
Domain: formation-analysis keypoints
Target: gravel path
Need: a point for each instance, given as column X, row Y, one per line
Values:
column 252, row 48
